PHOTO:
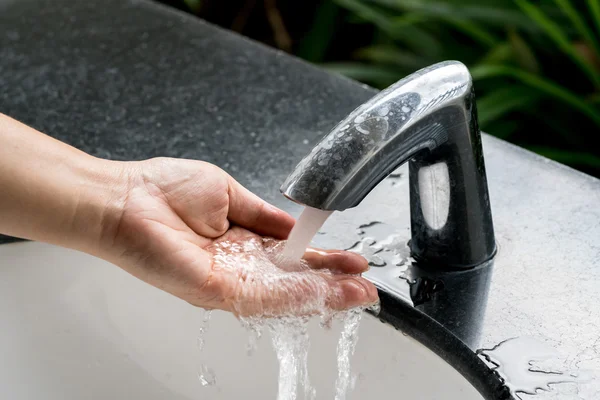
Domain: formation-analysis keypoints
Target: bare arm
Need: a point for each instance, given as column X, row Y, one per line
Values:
column 52, row 192
column 163, row 220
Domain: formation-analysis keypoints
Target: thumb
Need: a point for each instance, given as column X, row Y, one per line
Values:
column 251, row 212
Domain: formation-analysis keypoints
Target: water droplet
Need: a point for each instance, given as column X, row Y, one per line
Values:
column 362, row 130
column 346, row 346
column 366, row 249
column 206, row 376
column 405, row 109
column 515, row 360
column 305, row 141
column 383, row 111
column 368, row 225
column 203, row 328
column 252, row 344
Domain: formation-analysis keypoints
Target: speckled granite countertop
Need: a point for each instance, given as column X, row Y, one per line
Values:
column 132, row 80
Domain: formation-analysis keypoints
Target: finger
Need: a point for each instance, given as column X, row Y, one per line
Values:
column 251, row 212
column 307, row 293
column 352, row 292
column 336, row 260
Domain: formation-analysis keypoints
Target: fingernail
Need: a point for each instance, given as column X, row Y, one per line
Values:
column 357, row 286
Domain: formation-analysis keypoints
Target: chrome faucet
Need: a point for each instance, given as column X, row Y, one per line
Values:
column 430, row 120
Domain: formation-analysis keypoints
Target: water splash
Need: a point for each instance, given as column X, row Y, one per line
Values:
column 391, row 250
column 345, row 350
column 529, row 366
column 206, row 375
column 279, row 291
column 254, row 334
column 291, row 343
column 267, row 287
column 203, row 328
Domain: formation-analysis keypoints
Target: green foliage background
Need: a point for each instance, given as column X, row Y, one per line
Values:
column 536, row 64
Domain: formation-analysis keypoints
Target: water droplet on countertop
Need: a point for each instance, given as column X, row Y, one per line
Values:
column 517, row 360
column 365, row 248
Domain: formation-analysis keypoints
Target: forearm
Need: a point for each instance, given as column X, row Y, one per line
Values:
column 52, row 192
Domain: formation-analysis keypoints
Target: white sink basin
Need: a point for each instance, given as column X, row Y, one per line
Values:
column 76, row 327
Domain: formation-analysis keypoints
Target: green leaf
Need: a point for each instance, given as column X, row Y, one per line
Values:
column 401, row 28
column 504, row 100
column 498, row 16
column 541, row 84
column 579, row 24
column 315, row 43
column 498, row 55
column 556, row 33
column 593, row 98
column 568, row 157
column 594, row 6
column 381, row 77
column 522, row 52
column 368, row 13
column 384, row 54
column 194, row 5
column 502, row 129
column 420, row 41
column 473, row 30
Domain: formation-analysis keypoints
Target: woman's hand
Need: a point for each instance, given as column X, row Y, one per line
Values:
column 176, row 213
column 168, row 222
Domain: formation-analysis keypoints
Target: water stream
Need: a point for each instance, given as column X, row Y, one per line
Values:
column 295, row 291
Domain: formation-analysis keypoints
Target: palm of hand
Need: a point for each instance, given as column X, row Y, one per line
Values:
column 176, row 211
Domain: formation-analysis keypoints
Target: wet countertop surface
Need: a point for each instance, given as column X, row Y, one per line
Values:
column 129, row 80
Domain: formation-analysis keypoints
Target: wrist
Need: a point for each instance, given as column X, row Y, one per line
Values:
column 101, row 198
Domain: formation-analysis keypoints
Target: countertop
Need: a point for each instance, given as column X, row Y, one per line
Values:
column 129, row 80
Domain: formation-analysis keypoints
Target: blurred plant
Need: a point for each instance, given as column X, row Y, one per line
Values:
column 536, row 66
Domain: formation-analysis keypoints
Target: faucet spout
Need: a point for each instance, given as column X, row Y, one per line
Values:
column 430, row 120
